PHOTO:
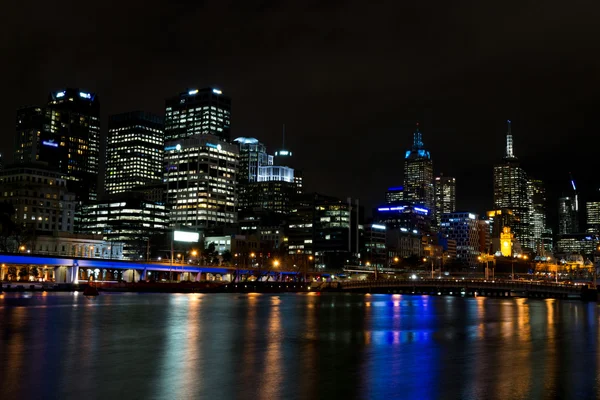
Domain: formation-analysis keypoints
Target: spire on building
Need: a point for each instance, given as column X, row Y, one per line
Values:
column 418, row 139
column 509, row 142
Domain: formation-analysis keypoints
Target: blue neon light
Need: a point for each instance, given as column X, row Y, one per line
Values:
column 60, row 94
column 383, row 209
column 50, row 143
column 422, row 210
column 217, row 91
column 573, row 183
column 407, row 154
column 193, row 92
column 397, row 208
column 396, row 188
column 169, row 148
column 214, row 146
column 85, row 95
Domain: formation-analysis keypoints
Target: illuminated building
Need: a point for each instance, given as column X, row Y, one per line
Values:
column 201, row 178
column 463, row 227
column 66, row 135
column 418, row 173
column 373, row 245
column 40, row 197
column 265, row 185
column 567, row 216
column 127, row 219
column 511, row 191
column 394, row 195
column 198, row 112
column 593, row 216
column 253, row 154
column 404, row 216
column 134, row 151
column 506, row 242
column 537, row 212
column 445, row 195
column 325, row 227
column 581, row 243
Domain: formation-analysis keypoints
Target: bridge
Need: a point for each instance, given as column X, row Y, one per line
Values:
column 469, row 287
column 73, row 269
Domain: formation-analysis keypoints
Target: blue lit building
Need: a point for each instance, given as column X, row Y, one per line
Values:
column 464, row 228
column 394, row 195
column 418, row 173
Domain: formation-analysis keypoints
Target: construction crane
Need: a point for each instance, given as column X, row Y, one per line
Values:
column 574, row 190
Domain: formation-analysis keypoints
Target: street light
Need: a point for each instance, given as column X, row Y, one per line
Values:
column 276, row 263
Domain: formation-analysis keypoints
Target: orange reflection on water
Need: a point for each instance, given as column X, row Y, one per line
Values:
column 274, row 369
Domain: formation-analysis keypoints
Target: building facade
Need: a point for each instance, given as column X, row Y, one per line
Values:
column 394, row 194
column 445, row 196
column 40, row 197
column 201, row 176
column 418, row 173
column 253, row 154
column 463, row 227
column 198, row 112
column 29, row 125
column 511, row 191
column 126, row 219
column 568, row 222
column 593, row 216
column 134, row 151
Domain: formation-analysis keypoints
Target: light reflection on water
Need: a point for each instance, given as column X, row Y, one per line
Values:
column 288, row 346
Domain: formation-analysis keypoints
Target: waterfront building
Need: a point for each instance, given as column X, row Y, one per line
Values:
column 134, row 151
column 418, row 173
column 463, row 227
column 201, row 175
column 373, row 249
column 198, row 112
column 324, row 227
column 581, row 243
column 125, row 218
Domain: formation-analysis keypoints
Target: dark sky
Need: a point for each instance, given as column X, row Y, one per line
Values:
column 349, row 79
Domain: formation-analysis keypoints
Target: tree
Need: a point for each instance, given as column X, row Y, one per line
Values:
column 12, row 272
column 23, row 273
column 227, row 257
column 34, row 272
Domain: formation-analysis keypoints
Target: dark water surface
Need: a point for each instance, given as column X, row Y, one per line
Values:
column 295, row 346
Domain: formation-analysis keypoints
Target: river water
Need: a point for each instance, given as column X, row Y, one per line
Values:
column 295, row 346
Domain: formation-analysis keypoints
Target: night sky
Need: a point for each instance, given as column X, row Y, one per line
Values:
column 348, row 80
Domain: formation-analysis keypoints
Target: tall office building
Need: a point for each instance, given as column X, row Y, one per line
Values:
column 253, row 154
column 201, row 175
column 29, row 126
column 593, row 216
column 198, row 112
column 134, row 152
column 511, row 192
column 71, row 138
column 537, row 194
column 464, row 228
column 445, row 196
column 66, row 135
column 418, row 173
column 567, row 216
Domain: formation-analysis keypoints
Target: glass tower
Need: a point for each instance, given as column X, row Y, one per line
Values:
column 134, row 152
column 418, row 173
column 445, row 195
column 198, row 112
column 511, row 192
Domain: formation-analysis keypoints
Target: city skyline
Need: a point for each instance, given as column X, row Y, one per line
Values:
column 461, row 89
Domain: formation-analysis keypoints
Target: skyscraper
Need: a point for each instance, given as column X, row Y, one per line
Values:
column 593, row 216
column 394, row 195
column 29, row 124
column 537, row 193
column 418, row 173
column 134, row 152
column 567, row 216
column 198, row 111
column 511, row 192
column 445, row 195
column 201, row 179
column 253, row 154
